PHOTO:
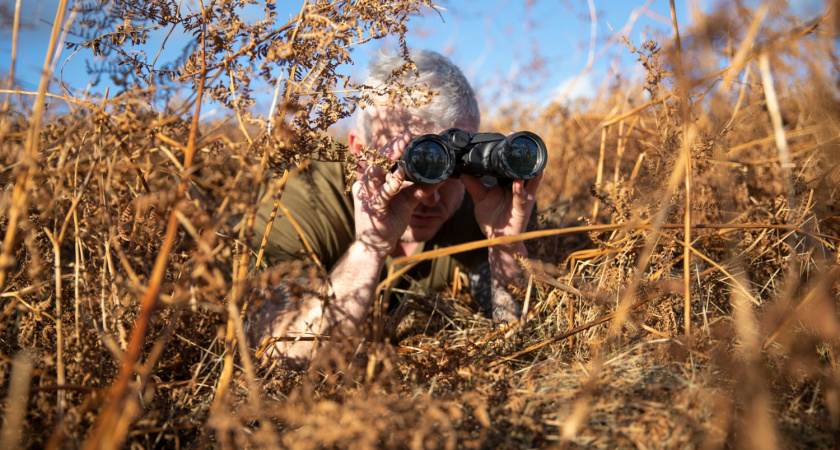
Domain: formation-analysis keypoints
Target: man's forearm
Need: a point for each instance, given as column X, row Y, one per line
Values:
column 503, row 263
column 353, row 281
column 341, row 314
column 504, row 269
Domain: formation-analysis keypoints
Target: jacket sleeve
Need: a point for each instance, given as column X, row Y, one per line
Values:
column 316, row 201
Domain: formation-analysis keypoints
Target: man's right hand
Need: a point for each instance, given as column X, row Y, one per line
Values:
column 384, row 201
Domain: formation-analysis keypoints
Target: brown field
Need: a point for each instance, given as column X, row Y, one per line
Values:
column 684, row 277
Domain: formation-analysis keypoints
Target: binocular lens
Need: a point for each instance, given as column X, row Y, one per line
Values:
column 522, row 156
column 430, row 160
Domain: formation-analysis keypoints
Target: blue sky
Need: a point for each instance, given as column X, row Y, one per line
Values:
column 530, row 49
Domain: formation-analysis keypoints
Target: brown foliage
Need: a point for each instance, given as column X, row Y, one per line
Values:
column 125, row 223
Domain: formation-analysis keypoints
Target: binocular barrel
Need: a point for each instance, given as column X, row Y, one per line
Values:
column 432, row 158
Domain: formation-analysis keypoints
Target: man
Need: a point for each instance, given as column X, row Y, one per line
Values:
column 388, row 217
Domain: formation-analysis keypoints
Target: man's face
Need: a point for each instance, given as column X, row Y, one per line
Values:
column 437, row 208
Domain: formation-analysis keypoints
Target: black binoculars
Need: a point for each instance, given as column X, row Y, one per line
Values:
column 432, row 158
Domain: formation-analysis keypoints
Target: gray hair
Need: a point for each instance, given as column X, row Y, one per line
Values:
column 454, row 102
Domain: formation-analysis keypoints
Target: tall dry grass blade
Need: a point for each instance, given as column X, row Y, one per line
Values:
column 687, row 246
column 271, row 217
column 744, row 48
column 677, row 42
column 59, row 323
column 825, row 281
column 5, row 111
column 20, row 195
column 738, row 103
column 683, row 90
column 761, row 433
column 29, row 158
column 678, row 172
column 112, row 423
column 220, row 393
column 805, row 131
column 309, row 250
column 565, row 287
column 16, row 403
column 527, row 303
column 582, row 405
column 77, row 254
column 599, row 174
column 623, row 138
column 65, row 30
column 274, row 101
column 635, row 111
column 234, row 324
column 776, row 118
column 793, row 35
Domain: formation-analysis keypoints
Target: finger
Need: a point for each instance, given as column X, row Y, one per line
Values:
column 520, row 195
column 525, row 194
column 518, row 188
column 369, row 186
column 532, row 185
column 373, row 178
column 475, row 187
column 527, row 189
column 392, row 185
column 376, row 190
column 395, row 147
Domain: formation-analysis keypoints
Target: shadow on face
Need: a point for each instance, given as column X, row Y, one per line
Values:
column 387, row 123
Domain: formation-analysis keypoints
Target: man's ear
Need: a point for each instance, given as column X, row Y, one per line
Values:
column 356, row 141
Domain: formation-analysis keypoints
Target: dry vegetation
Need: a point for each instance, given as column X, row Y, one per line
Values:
column 684, row 280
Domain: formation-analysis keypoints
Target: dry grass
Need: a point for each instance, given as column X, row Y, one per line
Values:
column 684, row 278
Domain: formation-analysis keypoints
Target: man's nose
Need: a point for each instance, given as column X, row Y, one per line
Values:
column 431, row 200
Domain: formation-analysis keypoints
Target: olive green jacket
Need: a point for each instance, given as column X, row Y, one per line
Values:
column 317, row 201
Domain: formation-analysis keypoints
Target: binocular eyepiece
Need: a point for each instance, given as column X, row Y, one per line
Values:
column 432, row 158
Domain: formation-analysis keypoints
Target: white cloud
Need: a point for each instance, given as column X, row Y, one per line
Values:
column 580, row 86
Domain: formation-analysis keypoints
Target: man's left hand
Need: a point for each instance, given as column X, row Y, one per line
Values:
column 502, row 211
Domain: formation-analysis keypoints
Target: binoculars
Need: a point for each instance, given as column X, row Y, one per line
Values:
column 432, row 158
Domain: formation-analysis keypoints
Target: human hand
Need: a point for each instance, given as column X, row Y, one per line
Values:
column 384, row 201
column 502, row 211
